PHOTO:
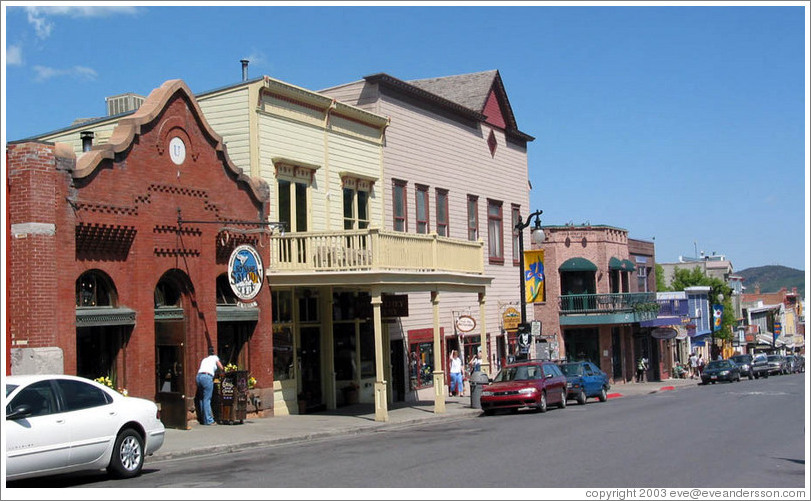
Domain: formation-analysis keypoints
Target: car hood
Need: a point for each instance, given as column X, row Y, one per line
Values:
column 508, row 386
column 716, row 370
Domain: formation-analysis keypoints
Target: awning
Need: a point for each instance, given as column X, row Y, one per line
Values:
column 104, row 315
column 614, row 264
column 628, row 265
column 577, row 264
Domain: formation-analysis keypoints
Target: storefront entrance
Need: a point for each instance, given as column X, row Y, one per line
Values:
column 170, row 336
column 310, row 363
column 582, row 344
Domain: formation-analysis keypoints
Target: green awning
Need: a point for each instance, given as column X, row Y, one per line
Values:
column 614, row 264
column 628, row 265
column 577, row 264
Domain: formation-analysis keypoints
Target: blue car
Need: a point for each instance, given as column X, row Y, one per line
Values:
column 585, row 380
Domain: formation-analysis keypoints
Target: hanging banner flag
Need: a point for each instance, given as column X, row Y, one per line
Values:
column 717, row 313
column 534, row 276
column 778, row 329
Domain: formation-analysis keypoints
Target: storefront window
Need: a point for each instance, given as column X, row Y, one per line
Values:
column 367, row 350
column 345, row 364
column 422, row 364
column 283, row 359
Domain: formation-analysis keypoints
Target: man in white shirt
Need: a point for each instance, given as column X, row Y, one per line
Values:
column 205, row 381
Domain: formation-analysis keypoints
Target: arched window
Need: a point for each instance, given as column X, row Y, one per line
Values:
column 225, row 294
column 94, row 288
column 167, row 295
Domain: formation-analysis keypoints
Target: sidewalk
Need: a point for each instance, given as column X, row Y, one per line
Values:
column 350, row 420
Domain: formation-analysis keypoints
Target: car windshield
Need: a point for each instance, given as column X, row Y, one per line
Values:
column 518, row 373
column 742, row 359
column 719, row 364
column 774, row 358
column 571, row 369
column 10, row 388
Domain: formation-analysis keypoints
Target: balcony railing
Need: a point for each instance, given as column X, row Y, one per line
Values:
column 373, row 249
column 580, row 304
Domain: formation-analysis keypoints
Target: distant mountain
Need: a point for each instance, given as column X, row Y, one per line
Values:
column 772, row 279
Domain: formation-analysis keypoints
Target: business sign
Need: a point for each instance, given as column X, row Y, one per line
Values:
column 664, row 333
column 465, row 323
column 245, row 272
column 510, row 319
column 524, row 338
column 534, row 276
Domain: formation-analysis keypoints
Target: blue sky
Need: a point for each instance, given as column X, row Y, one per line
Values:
column 685, row 125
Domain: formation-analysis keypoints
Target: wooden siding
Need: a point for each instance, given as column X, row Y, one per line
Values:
column 227, row 113
column 430, row 149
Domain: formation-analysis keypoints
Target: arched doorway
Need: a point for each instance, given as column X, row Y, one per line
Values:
column 170, row 341
column 103, row 329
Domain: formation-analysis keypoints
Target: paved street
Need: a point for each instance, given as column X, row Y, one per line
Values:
column 746, row 434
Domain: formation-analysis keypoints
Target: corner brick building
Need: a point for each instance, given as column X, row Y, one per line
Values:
column 118, row 258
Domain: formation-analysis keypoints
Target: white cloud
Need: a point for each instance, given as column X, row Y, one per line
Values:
column 14, row 55
column 76, row 72
column 39, row 17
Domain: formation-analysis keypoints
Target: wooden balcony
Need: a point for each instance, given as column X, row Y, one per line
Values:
column 373, row 250
column 607, row 308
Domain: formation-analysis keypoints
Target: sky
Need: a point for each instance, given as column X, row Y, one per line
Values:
column 683, row 123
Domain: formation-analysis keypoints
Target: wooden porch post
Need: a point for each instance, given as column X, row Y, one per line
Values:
column 483, row 330
column 381, row 400
column 439, row 363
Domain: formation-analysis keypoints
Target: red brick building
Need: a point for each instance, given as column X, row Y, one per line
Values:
column 118, row 258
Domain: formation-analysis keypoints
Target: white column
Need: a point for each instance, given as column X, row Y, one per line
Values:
column 439, row 362
column 483, row 330
column 381, row 400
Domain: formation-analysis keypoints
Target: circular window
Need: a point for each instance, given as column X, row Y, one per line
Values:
column 177, row 150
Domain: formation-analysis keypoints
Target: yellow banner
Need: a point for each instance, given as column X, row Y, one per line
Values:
column 534, row 276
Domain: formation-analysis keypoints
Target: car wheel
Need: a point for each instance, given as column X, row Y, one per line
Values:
column 603, row 397
column 751, row 376
column 581, row 397
column 562, row 404
column 542, row 402
column 128, row 455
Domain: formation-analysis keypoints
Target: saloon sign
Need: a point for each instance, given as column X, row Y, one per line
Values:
column 465, row 323
column 245, row 272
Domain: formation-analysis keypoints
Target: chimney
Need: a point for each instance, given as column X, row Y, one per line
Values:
column 757, row 288
column 244, row 69
column 87, row 140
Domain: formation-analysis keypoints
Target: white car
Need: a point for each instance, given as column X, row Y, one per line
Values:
column 60, row 424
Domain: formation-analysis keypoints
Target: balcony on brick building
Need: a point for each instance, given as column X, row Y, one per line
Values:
column 614, row 308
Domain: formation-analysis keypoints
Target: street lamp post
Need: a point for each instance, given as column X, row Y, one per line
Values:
column 538, row 236
column 720, row 298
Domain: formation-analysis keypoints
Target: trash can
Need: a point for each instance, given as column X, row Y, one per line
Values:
column 477, row 380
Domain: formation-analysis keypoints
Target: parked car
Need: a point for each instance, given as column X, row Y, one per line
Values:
column 777, row 364
column 800, row 363
column 60, row 424
column 760, row 365
column 792, row 364
column 720, row 370
column 534, row 384
column 746, row 364
column 584, row 380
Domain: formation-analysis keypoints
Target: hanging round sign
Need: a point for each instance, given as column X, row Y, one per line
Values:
column 465, row 323
column 245, row 272
column 664, row 333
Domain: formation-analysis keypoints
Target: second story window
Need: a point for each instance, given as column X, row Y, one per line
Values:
column 422, row 209
column 495, row 232
column 356, row 209
column 472, row 218
column 442, row 213
column 516, row 215
column 293, row 205
column 399, row 208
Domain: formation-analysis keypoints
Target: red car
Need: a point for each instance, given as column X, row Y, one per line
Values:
column 534, row 384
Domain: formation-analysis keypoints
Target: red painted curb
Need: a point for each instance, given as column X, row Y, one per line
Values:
column 667, row 388
column 614, row 395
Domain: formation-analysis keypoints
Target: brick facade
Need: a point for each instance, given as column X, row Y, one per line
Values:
column 115, row 209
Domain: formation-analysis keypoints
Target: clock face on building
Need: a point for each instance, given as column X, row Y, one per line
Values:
column 177, row 150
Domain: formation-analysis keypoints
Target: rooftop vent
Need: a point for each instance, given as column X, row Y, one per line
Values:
column 123, row 103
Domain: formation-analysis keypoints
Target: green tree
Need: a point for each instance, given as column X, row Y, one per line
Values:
column 661, row 286
column 683, row 278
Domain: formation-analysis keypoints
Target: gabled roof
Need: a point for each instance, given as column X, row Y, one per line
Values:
column 462, row 94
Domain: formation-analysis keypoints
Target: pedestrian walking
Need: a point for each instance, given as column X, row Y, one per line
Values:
column 693, row 365
column 700, row 365
column 476, row 362
column 457, row 385
column 205, row 385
